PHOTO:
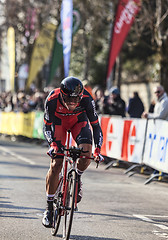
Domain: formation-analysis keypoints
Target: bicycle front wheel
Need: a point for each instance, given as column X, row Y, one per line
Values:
column 56, row 219
column 70, row 205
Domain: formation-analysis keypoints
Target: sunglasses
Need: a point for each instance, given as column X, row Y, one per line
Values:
column 71, row 99
column 157, row 92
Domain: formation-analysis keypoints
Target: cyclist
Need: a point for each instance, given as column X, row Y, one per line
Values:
column 69, row 107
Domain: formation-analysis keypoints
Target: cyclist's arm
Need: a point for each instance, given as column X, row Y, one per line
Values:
column 93, row 118
column 47, row 126
column 98, row 135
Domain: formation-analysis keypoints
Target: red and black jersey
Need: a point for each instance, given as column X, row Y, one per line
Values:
column 56, row 114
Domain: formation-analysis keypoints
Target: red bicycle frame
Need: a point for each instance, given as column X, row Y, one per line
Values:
column 65, row 182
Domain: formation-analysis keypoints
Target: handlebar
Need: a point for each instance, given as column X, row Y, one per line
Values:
column 75, row 153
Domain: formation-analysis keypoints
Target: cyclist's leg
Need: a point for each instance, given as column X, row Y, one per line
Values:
column 52, row 178
column 83, row 136
column 84, row 163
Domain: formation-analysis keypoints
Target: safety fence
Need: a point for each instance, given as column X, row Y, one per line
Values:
column 22, row 124
column 138, row 141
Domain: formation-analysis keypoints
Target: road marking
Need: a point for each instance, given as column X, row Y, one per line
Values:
column 160, row 234
column 142, row 217
column 6, row 150
column 161, row 226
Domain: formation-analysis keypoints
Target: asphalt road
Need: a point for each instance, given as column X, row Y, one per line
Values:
column 114, row 206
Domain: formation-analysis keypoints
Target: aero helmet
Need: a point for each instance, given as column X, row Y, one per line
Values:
column 71, row 89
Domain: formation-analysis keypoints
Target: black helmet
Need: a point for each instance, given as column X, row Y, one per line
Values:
column 71, row 89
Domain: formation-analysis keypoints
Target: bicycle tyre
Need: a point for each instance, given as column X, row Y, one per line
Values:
column 56, row 220
column 70, row 204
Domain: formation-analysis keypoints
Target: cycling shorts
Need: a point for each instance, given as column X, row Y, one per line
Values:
column 80, row 131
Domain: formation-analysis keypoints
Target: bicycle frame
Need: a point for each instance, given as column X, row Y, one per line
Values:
column 67, row 191
column 65, row 183
column 65, row 180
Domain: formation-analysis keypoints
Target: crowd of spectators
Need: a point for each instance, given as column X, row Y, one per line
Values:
column 109, row 103
column 22, row 101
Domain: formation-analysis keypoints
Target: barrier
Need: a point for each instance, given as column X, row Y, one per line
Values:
column 138, row 141
column 112, row 136
column 144, row 142
column 17, row 123
column 156, row 147
column 38, row 126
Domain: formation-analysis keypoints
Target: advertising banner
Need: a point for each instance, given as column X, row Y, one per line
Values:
column 28, row 124
column 156, row 146
column 11, row 55
column 38, row 125
column 112, row 128
column 10, row 123
column 66, row 23
column 0, row 122
column 5, row 86
column 133, row 140
column 57, row 55
column 124, row 18
column 41, row 51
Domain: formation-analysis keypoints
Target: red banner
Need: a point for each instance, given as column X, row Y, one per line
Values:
column 125, row 15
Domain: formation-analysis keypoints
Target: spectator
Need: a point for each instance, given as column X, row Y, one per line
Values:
column 99, row 100
column 151, row 107
column 161, row 106
column 114, row 104
column 135, row 106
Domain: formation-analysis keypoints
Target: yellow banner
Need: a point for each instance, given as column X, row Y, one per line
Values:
column 10, row 123
column 28, row 124
column 17, row 123
column 11, row 55
column 42, row 50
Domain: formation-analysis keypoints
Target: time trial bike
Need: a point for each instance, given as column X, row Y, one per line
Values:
column 65, row 201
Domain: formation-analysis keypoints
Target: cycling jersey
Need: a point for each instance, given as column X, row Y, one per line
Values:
column 58, row 120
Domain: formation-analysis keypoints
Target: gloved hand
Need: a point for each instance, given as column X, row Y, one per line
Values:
column 53, row 149
column 98, row 157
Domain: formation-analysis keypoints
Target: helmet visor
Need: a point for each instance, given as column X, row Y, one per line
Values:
column 71, row 99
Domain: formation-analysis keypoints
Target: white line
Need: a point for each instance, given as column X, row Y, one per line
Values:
column 157, row 216
column 160, row 234
column 146, row 219
column 6, row 150
column 161, row 226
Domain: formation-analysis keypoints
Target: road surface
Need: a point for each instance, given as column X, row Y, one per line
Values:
column 114, row 206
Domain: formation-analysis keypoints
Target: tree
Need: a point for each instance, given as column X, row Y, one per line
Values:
column 150, row 30
column 91, row 43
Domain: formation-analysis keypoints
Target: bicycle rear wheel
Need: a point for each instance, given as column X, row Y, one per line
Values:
column 69, row 206
column 56, row 218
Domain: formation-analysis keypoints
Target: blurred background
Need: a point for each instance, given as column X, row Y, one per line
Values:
column 31, row 52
